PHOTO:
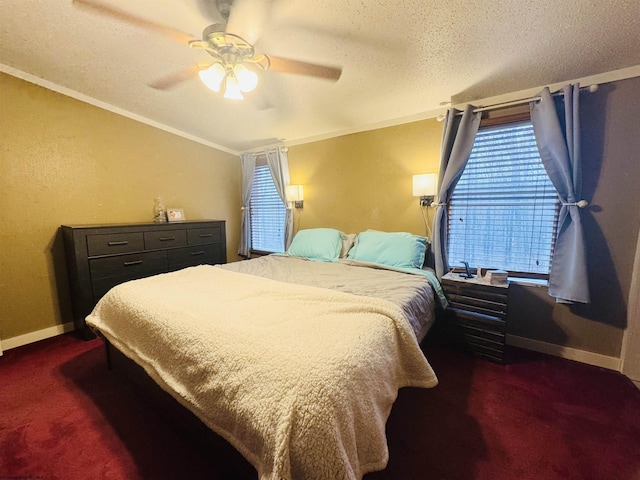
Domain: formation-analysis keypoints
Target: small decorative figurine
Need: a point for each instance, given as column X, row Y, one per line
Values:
column 159, row 211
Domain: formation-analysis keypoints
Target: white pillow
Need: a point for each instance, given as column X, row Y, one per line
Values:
column 348, row 239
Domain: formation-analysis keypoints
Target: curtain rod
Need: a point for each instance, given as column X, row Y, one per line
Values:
column 283, row 149
column 513, row 103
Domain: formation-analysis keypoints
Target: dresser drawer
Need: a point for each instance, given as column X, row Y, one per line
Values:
column 474, row 335
column 165, row 239
column 196, row 255
column 128, row 266
column 113, row 243
column 199, row 236
column 470, row 292
column 478, row 305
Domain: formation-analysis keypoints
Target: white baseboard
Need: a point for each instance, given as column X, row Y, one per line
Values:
column 32, row 337
column 591, row 358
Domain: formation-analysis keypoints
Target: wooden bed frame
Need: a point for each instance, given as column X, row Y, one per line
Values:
column 192, row 427
column 186, row 424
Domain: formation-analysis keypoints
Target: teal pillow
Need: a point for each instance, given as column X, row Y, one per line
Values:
column 394, row 249
column 318, row 244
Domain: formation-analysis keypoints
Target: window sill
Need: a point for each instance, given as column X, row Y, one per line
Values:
column 529, row 282
column 260, row 253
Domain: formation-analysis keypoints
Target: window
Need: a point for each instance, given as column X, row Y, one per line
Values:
column 268, row 213
column 503, row 212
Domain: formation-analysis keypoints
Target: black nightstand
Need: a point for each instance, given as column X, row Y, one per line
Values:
column 476, row 319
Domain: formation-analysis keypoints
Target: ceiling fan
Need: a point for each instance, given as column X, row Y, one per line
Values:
column 236, row 65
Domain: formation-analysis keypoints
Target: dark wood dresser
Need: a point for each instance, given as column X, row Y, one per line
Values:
column 476, row 319
column 102, row 256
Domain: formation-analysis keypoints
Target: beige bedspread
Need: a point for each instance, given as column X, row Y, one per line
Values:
column 299, row 379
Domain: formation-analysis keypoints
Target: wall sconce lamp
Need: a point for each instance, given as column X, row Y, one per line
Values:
column 295, row 195
column 424, row 186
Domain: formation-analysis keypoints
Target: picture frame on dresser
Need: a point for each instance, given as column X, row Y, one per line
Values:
column 99, row 257
column 175, row 215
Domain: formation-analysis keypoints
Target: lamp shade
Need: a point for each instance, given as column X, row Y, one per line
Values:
column 424, row 184
column 294, row 193
column 212, row 77
column 231, row 88
column 247, row 80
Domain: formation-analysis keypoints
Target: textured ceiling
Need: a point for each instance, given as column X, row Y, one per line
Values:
column 399, row 59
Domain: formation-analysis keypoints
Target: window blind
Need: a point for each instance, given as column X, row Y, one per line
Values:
column 503, row 212
column 268, row 213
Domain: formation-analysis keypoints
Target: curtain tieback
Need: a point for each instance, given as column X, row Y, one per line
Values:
column 580, row 204
column 435, row 204
column 244, row 208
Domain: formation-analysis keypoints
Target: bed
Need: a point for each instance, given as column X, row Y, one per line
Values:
column 294, row 359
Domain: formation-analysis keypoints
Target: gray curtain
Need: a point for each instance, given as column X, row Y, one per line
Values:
column 248, row 167
column 278, row 162
column 557, row 130
column 457, row 141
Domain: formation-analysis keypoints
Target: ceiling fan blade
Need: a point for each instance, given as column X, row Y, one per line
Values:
column 126, row 17
column 285, row 65
column 176, row 78
column 248, row 17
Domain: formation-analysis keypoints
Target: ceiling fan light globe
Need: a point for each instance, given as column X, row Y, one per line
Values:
column 213, row 76
column 232, row 89
column 247, row 80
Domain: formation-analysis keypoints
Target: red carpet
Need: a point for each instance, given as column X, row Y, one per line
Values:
column 64, row 416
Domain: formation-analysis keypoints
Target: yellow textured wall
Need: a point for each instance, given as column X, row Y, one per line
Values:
column 364, row 180
column 67, row 162
column 64, row 161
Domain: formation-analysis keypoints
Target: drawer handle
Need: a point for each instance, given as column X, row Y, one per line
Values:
column 116, row 244
column 166, row 239
column 205, row 235
column 134, row 262
column 201, row 252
